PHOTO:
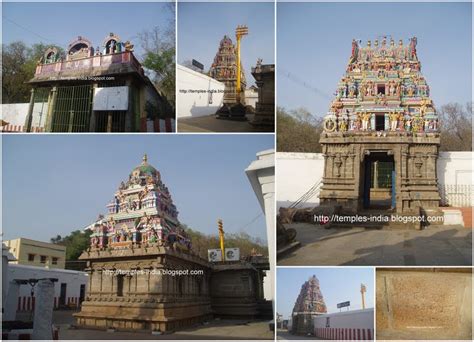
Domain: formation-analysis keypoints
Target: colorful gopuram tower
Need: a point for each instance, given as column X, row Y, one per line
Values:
column 224, row 69
column 310, row 303
column 381, row 137
column 142, row 212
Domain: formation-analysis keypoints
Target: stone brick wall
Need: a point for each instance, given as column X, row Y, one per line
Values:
column 424, row 303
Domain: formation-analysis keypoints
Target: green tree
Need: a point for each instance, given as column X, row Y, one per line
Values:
column 76, row 243
column 18, row 67
column 14, row 88
column 298, row 131
column 247, row 244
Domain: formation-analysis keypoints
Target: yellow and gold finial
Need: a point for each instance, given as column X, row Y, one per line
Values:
column 145, row 158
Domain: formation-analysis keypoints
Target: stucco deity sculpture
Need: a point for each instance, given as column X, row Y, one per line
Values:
column 365, row 117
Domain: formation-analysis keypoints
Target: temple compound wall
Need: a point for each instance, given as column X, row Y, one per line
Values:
column 144, row 274
column 198, row 94
column 91, row 89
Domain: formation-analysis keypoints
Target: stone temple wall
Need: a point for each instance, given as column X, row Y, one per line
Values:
column 424, row 304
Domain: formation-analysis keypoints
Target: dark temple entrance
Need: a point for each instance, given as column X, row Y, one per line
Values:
column 379, row 181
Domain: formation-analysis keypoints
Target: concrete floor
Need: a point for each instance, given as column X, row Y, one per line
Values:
column 434, row 246
column 284, row 335
column 212, row 124
column 213, row 330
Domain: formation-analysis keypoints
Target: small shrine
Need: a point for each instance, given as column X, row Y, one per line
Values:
column 94, row 89
column 310, row 302
column 381, row 134
column 264, row 75
column 144, row 274
column 224, row 69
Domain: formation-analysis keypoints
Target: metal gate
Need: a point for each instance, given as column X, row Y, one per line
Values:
column 73, row 108
column 40, row 109
column 110, row 121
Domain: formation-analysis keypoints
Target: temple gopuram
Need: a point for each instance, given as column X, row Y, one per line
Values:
column 381, row 134
column 224, row 69
column 95, row 89
column 310, row 303
column 144, row 274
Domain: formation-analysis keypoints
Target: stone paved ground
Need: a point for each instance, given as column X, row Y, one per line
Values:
column 284, row 335
column 434, row 246
column 215, row 330
column 211, row 124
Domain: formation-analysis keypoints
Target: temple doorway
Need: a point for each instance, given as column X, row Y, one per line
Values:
column 72, row 109
column 379, row 181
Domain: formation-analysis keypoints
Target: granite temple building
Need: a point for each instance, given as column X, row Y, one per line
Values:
column 144, row 274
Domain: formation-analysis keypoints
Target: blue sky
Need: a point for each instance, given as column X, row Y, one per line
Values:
column 337, row 285
column 314, row 45
column 201, row 26
column 54, row 184
column 91, row 20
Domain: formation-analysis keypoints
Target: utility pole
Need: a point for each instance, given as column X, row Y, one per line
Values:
column 240, row 31
column 363, row 290
column 220, row 226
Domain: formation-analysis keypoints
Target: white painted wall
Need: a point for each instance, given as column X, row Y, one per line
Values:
column 360, row 319
column 73, row 279
column 195, row 104
column 251, row 97
column 455, row 168
column 261, row 174
column 298, row 172
column 15, row 114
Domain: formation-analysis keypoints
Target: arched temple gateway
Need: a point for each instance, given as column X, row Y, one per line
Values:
column 310, row 303
column 136, row 252
column 381, row 136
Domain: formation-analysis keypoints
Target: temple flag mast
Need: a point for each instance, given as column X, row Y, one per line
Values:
column 240, row 31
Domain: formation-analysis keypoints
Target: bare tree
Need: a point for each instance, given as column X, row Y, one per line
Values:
column 298, row 131
column 456, row 127
column 159, row 46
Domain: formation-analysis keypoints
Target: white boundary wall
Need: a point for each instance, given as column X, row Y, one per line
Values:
column 197, row 104
column 296, row 173
column 345, row 325
column 15, row 114
column 72, row 279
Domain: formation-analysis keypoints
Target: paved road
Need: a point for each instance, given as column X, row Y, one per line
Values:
column 211, row 124
column 435, row 246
